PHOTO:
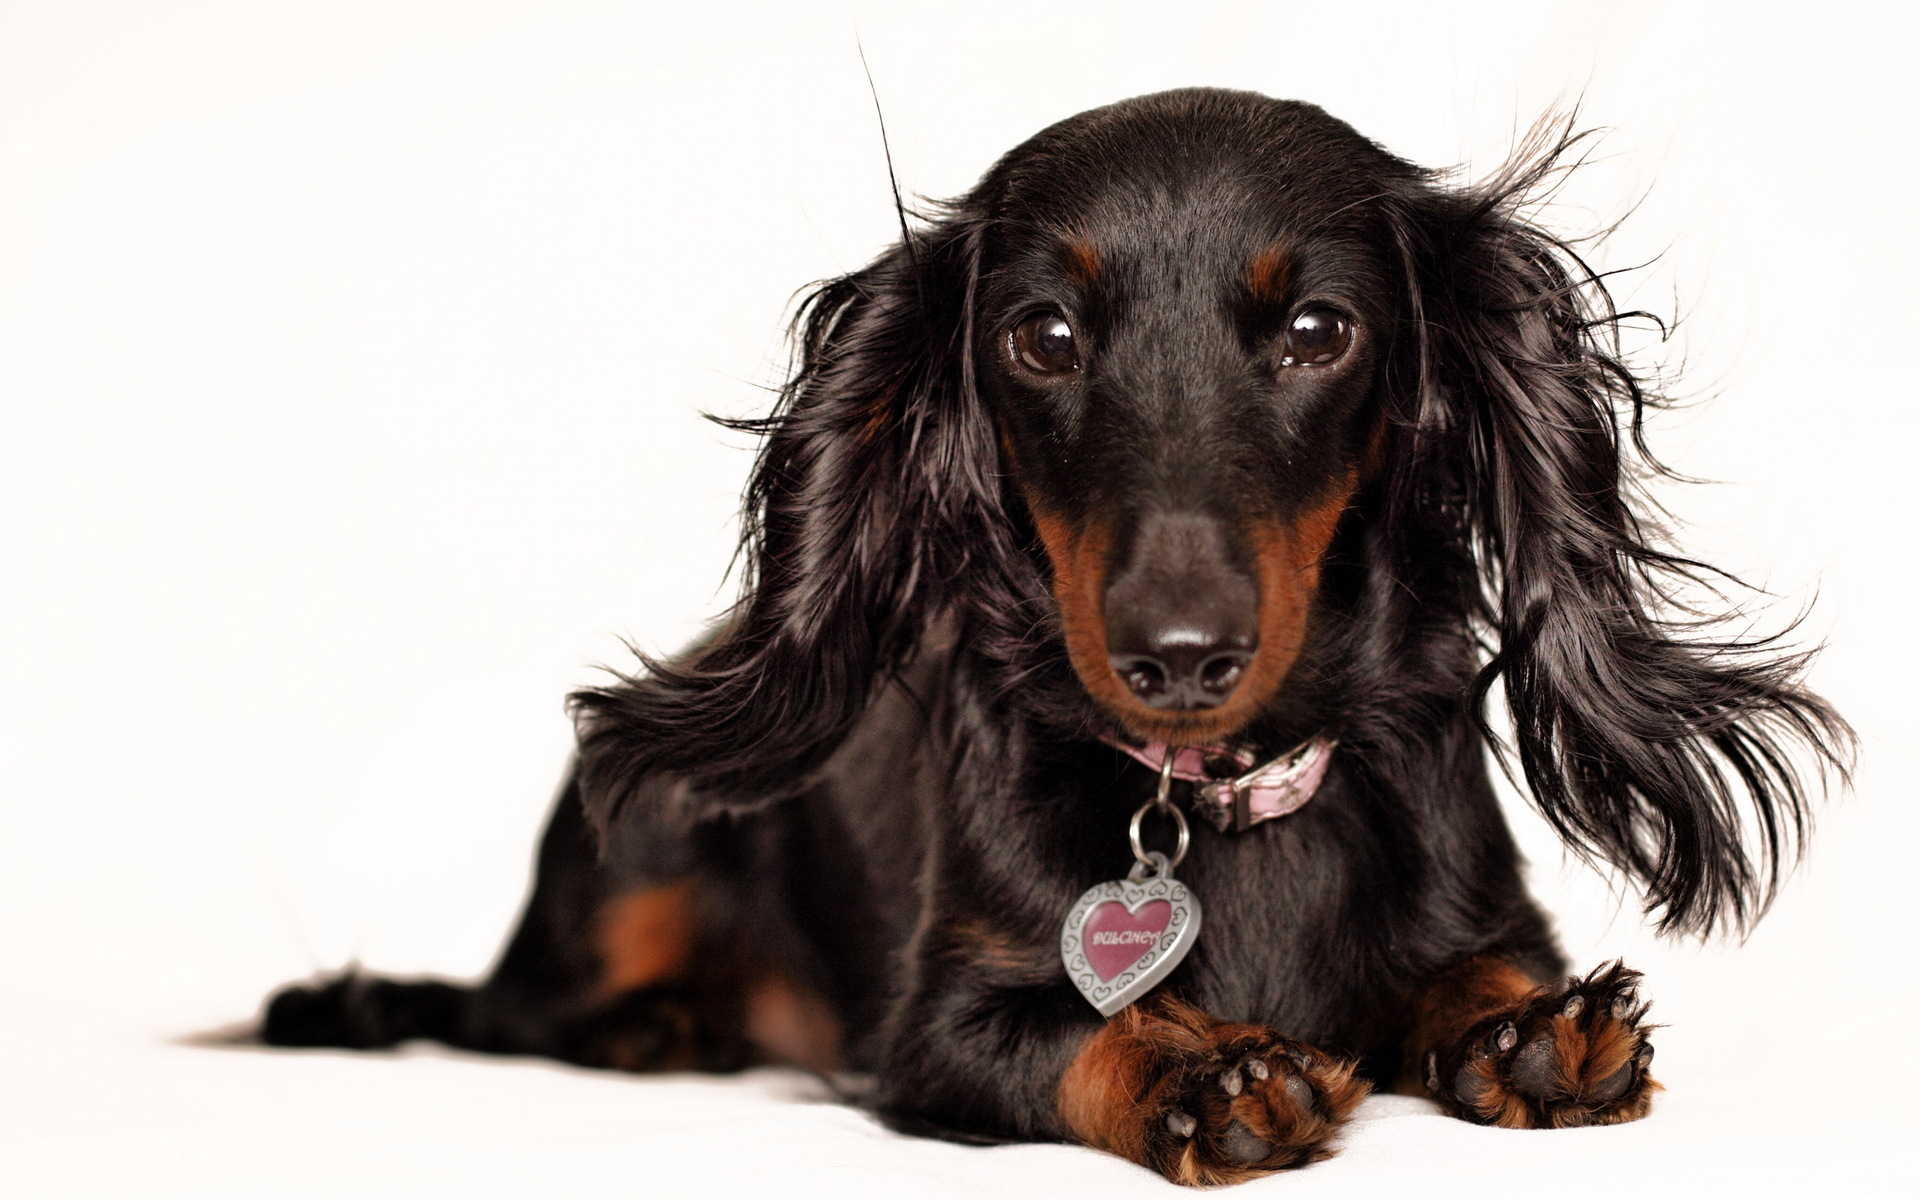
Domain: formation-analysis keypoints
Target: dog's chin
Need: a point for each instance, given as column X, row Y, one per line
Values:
column 1186, row 726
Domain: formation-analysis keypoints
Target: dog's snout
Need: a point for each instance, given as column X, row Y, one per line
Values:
column 1182, row 619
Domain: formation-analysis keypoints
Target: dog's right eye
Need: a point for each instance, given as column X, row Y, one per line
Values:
column 1317, row 337
column 1043, row 344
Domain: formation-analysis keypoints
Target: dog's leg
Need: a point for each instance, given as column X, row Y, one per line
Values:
column 1205, row 1102
column 604, row 970
column 992, row 1045
column 1496, row 1049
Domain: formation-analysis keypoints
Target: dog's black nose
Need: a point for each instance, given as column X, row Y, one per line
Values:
column 1182, row 619
column 1191, row 670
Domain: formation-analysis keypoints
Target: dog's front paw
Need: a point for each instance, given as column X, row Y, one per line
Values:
column 1572, row 1055
column 1202, row 1101
column 1249, row 1104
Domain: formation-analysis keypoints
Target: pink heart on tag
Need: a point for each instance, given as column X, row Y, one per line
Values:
column 1115, row 938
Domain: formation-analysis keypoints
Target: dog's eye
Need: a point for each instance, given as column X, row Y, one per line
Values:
column 1043, row 344
column 1317, row 337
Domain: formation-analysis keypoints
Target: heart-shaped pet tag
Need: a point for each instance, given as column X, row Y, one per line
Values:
column 1122, row 937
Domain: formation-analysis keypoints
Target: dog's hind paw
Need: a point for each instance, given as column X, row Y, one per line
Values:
column 1573, row 1055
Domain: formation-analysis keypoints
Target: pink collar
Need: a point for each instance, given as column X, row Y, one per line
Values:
column 1257, row 794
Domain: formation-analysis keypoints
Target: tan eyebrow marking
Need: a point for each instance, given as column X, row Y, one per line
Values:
column 1268, row 273
column 1083, row 262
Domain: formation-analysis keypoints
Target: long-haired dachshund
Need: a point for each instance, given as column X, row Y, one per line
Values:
column 1099, row 751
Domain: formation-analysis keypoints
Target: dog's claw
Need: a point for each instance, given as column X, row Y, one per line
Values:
column 1433, row 1070
column 1506, row 1037
column 1230, row 1080
column 1258, row 1069
column 1180, row 1124
column 1576, row 1004
column 1623, row 1005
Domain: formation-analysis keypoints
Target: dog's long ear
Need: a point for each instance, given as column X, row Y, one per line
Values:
column 876, row 482
column 1647, row 741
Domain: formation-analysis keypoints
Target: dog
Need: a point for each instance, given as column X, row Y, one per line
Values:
column 1175, row 500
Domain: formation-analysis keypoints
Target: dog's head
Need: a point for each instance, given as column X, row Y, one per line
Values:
column 1116, row 405
column 1185, row 305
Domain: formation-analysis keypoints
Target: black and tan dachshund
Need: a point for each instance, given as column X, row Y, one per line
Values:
column 1202, row 432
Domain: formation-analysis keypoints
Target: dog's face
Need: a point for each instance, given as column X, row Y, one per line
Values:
column 1180, row 329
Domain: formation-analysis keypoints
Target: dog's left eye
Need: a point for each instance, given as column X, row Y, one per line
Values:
column 1043, row 344
column 1317, row 337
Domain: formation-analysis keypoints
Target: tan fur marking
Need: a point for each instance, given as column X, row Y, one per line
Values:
column 792, row 1025
column 1610, row 1048
column 1079, row 559
column 1376, row 455
column 1498, row 1105
column 877, row 412
column 645, row 936
column 1454, row 1002
column 1103, row 1093
column 981, row 944
column 1268, row 274
column 1569, row 1056
column 1083, row 263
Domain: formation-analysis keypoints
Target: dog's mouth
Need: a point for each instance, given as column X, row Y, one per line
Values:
column 1174, row 642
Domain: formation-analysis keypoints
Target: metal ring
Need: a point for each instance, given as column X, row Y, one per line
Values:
column 1180, row 845
column 1163, row 802
column 1166, row 778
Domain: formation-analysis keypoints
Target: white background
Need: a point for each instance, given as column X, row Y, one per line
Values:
column 351, row 358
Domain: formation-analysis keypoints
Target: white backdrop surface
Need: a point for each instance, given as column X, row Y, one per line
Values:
column 351, row 357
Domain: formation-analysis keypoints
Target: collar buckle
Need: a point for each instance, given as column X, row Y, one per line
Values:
column 1263, row 792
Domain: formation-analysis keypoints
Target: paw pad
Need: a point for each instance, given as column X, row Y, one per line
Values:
column 1242, row 1146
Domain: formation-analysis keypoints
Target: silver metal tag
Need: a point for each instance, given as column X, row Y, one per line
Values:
column 1122, row 937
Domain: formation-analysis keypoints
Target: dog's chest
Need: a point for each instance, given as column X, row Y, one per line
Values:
column 1287, row 937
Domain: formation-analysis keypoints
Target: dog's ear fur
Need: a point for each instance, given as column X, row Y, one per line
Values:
column 1645, row 740
column 876, row 490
